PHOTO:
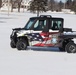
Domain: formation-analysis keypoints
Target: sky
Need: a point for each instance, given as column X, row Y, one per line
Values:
column 61, row 0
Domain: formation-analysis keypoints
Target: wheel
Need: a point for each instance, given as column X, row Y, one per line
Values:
column 21, row 45
column 12, row 44
column 70, row 47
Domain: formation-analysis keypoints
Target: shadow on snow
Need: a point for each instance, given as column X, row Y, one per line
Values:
column 2, row 22
column 54, row 49
column 6, row 18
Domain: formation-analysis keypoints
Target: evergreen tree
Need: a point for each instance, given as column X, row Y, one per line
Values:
column 38, row 5
column 61, row 5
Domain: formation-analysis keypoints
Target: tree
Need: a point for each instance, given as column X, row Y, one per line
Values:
column 38, row 5
column 61, row 4
column 74, row 6
column 12, row 4
column 19, row 4
column 15, row 3
column 0, row 3
column 69, row 4
column 51, row 5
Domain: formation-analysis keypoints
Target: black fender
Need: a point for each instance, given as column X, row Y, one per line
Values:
column 25, row 38
column 64, row 42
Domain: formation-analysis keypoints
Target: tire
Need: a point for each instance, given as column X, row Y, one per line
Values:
column 21, row 45
column 12, row 44
column 70, row 47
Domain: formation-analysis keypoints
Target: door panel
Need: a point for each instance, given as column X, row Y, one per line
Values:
column 37, row 36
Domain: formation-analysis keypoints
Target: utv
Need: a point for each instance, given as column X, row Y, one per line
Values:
column 44, row 31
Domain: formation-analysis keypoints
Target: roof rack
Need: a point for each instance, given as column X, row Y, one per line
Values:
column 48, row 16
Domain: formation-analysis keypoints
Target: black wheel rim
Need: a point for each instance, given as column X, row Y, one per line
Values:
column 72, row 48
column 22, row 46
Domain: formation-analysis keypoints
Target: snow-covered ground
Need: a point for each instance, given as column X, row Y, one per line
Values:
column 14, row 62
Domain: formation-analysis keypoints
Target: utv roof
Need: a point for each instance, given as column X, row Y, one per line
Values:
column 46, row 16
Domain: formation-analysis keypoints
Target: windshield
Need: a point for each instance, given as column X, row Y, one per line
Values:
column 29, row 24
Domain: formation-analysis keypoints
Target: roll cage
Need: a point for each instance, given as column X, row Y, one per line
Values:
column 50, row 23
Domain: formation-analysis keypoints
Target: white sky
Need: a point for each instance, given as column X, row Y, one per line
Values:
column 62, row 0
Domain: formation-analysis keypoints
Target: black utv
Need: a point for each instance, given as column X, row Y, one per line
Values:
column 44, row 31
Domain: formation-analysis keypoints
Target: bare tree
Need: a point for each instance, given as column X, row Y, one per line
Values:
column 74, row 6
column 69, row 4
column 15, row 3
column 19, row 4
column 51, row 5
column 12, row 4
column 0, row 3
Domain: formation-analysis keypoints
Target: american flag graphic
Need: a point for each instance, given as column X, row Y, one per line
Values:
column 41, row 39
column 35, row 37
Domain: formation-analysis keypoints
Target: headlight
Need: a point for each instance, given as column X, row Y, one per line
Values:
column 13, row 32
column 20, row 34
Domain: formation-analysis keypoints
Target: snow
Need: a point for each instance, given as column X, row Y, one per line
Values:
column 33, row 62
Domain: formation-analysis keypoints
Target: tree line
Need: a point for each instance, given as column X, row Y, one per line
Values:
column 12, row 2
column 57, row 6
column 53, row 5
column 71, row 4
column 44, row 5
